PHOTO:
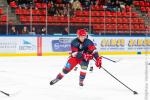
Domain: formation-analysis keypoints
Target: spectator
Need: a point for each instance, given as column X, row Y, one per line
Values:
column 45, row 1
column 66, row 1
column 43, row 31
column 128, row 2
column 25, row 31
column 76, row 5
column 33, row 31
column 13, row 31
column 52, row 10
column 63, row 10
column 94, row 2
column 66, row 31
column 117, row 6
column 87, row 4
column 109, row 5
column 59, row 10
column 8, row 1
column 102, row 2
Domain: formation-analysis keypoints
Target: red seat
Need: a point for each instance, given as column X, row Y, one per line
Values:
column 4, row 18
column 119, row 20
column 136, row 3
column 101, row 26
column 125, row 20
column 43, row 12
column 17, row 11
column 108, row 13
column 119, row 14
column 142, row 27
column 78, row 13
column 97, row 20
column 136, row 27
column 22, row 18
column 125, row 27
column 102, row 13
column 108, row 27
column 66, row 19
column 113, row 14
column 140, row 20
column 85, row 13
column 119, row 27
column 143, row 9
column 61, row 19
column 95, row 8
column 128, row 8
column 79, row 20
column 113, row 27
column 147, row 9
column 124, row 14
column 13, row 4
column 93, row 20
column 43, row 5
column 1, row 11
column 97, row 13
column 107, row 20
column 147, row 4
column 38, row 5
column 35, row 19
column 35, row 1
column 101, row 20
column 93, row 13
column 42, row 19
column 49, row 5
column 86, row 20
column 113, row 20
column 134, row 14
column 96, row 27
column 49, row 19
column 134, row 20
column 35, row 12
column 142, row 3
column 25, row 11
column 38, row 12
column 28, row 19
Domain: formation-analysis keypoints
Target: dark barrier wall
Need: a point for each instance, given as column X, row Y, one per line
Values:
column 51, row 29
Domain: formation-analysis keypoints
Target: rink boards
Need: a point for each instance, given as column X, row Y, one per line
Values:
column 58, row 45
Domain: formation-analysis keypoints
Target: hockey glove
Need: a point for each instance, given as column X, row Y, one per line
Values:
column 98, row 62
column 87, row 56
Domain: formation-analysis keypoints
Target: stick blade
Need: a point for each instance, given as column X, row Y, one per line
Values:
column 5, row 93
column 135, row 93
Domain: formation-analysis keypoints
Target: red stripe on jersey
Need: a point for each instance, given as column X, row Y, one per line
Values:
column 82, row 73
column 74, row 49
column 91, row 47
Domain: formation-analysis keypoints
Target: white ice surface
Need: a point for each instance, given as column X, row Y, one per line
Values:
column 27, row 78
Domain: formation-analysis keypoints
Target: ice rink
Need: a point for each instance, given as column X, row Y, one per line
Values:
column 27, row 78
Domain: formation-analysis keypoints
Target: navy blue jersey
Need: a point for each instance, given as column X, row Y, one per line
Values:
column 83, row 47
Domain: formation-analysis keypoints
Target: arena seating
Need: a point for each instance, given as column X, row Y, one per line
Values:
column 101, row 19
column 3, row 18
column 144, row 5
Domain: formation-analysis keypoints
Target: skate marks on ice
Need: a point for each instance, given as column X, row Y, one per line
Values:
column 33, row 79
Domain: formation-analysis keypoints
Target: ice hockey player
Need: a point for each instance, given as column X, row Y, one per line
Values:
column 82, row 51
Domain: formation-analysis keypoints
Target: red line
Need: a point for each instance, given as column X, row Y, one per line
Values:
column 39, row 46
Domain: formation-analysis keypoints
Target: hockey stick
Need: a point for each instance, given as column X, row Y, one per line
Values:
column 115, row 61
column 5, row 93
column 134, row 92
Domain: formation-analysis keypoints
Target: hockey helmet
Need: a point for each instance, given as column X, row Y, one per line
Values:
column 81, row 32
